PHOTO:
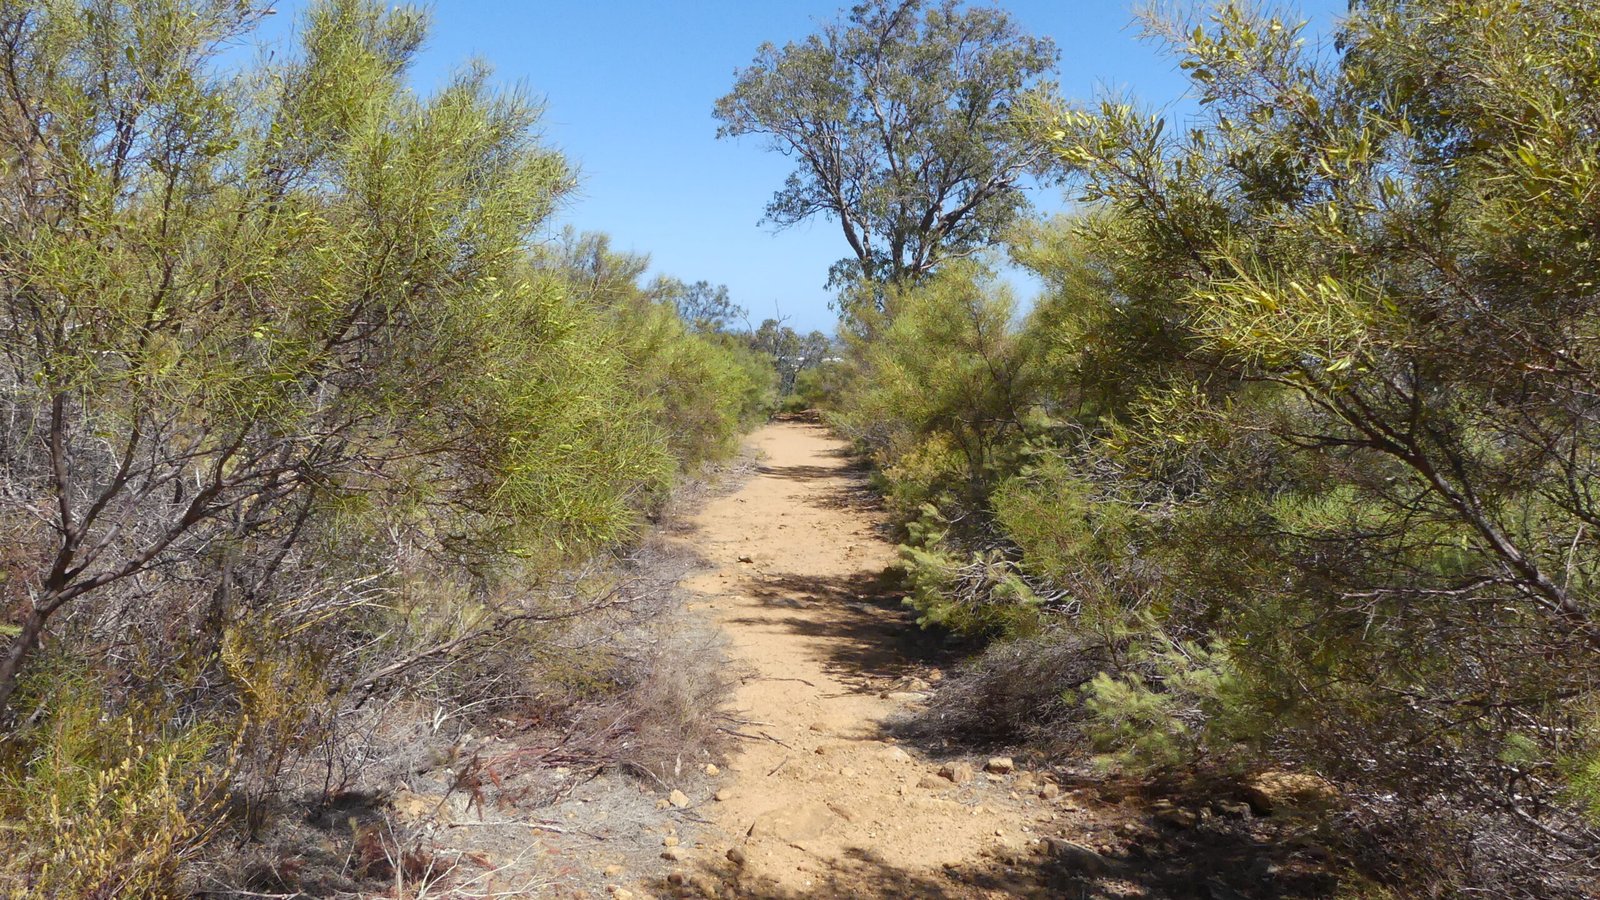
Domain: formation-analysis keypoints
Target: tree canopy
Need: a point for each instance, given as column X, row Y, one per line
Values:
column 898, row 118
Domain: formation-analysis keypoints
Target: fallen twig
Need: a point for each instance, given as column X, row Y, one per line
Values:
column 755, row 737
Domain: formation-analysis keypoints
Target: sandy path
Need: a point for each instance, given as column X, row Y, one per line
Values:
column 819, row 800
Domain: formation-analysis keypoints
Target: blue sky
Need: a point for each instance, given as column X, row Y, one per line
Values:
column 629, row 87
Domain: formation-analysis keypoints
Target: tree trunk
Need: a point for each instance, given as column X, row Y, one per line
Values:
column 17, row 652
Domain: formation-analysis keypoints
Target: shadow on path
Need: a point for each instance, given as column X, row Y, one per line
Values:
column 853, row 491
column 1142, row 873
column 1191, row 865
column 869, row 634
column 852, row 876
column 798, row 473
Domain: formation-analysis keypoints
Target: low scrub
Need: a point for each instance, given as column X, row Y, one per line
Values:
column 99, row 806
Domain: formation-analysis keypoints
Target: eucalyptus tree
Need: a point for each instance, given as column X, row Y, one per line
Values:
column 898, row 117
column 790, row 351
column 704, row 307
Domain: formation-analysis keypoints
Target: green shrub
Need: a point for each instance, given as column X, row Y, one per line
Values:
column 971, row 593
column 1078, row 536
column 970, row 398
column 687, row 393
column 1175, row 704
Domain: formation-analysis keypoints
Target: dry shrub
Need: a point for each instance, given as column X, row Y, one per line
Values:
column 1445, row 848
column 1015, row 692
column 667, row 711
column 106, row 806
column 635, row 685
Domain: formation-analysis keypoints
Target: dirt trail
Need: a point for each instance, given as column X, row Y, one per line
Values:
column 819, row 800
